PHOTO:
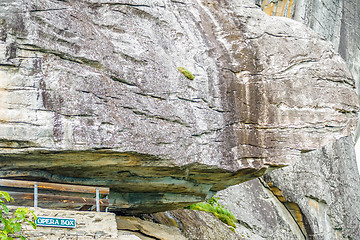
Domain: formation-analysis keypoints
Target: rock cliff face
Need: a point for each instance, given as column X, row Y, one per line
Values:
column 91, row 94
column 334, row 20
column 313, row 198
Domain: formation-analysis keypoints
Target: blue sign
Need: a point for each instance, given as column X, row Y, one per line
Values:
column 55, row 222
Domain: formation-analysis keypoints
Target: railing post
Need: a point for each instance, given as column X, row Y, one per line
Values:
column 97, row 200
column 107, row 208
column 35, row 194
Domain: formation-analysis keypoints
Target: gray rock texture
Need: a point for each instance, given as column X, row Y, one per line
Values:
column 316, row 198
column 329, row 201
column 336, row 20
column 320, row 192
column 261, row 215
column 197, row 225
column 144, row 230
column 91, row 94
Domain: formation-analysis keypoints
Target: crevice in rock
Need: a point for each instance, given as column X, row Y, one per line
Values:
column 244, row 224
column 309, row 107
column 8, row 65
column 273, row 35
column 97, row 96
column 211, row 131
column 141, row 113
column 150, row 95
column 188, row 100
column 20, row 123
column 305, row 61
column 17, row 144
column 48, row 10
column 293, row 209
column 346, row 111
column 77, row 115
column 62, row 55
column 178, row 2
column 316, row 199
column 345, row 81
column 126, row 4
column 127, row 57
column 180, row 225
column 117, row 79
column 79, row 60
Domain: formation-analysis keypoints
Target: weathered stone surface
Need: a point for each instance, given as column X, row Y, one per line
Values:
column 196, row 225
column 124, row 235
column 148, row 229
column 91, row 94
column 336, row 20
column 316, row 198
column 260, row 214
column 128, row 236
column 330, row 201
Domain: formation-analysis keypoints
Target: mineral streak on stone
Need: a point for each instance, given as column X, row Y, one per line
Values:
column 91, row 94
column 283, row 8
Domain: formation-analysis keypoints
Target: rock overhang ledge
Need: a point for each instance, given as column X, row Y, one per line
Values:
column 130, row 176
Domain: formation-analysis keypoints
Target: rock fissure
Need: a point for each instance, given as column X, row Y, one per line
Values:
column 124, row 4
column 211, row 131
column 117, row 79
column 293, row 209
column 147, row 115
column 48, row 10
column 151, row 96
column 9, row 65
column 297, row 64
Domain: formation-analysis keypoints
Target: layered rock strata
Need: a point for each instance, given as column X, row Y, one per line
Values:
column 337, row 21
column 316, row 197
column 91, row 94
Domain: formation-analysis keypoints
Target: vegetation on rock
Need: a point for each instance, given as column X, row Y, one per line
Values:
column 11, row 227
column 213, row 206
column 186, row 73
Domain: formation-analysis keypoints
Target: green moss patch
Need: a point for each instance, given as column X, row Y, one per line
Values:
column 218, row 210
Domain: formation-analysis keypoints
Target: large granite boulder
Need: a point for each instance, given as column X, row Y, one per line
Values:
column 91, row 94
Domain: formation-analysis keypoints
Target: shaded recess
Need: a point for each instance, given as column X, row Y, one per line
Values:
column 138, row 183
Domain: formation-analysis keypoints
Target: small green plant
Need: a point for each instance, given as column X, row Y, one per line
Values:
column 213, row 206
column 11, row 227
column 186, row 73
